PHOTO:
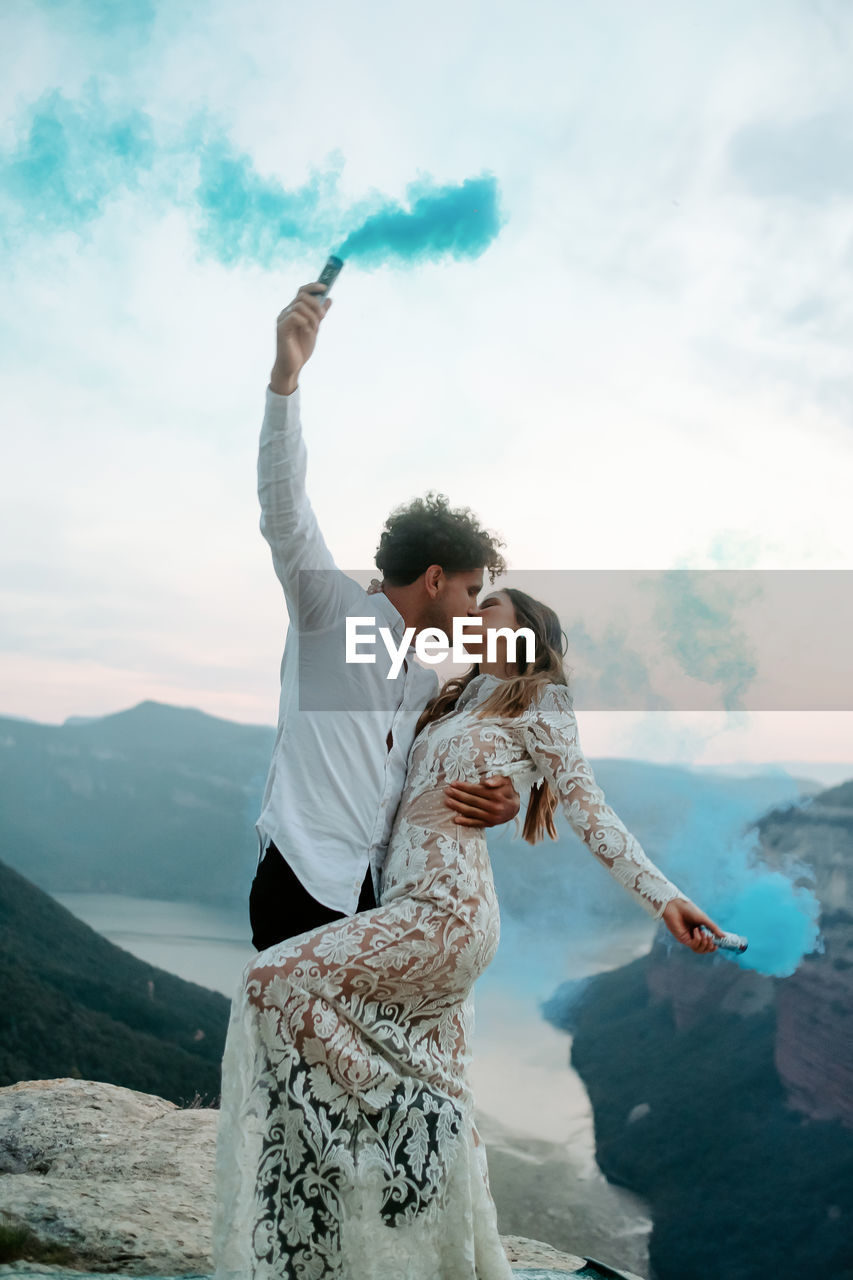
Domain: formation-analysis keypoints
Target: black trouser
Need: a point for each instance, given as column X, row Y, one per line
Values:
column 281, row 907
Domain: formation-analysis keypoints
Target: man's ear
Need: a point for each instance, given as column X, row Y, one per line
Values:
column 433, row 577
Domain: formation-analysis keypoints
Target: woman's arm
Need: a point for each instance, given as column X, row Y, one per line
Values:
column 552, row 743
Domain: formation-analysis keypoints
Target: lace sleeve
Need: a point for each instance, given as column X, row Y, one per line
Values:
column 552, row 742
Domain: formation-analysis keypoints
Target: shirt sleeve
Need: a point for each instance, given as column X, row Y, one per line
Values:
column 551, row 739
column 316, row 591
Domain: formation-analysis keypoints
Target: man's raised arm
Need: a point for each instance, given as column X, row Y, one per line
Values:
column 287, row 519
column 296, row 336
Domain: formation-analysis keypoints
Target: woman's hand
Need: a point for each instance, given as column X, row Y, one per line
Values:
column 296, row 334
column 683, row 919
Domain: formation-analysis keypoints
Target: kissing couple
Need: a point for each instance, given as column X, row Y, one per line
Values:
column 346, row 1144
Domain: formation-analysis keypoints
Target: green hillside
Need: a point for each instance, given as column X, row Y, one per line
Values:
column 156, row 802
column 76, row 1005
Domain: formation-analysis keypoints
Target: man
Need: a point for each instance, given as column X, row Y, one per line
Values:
column 345, row 729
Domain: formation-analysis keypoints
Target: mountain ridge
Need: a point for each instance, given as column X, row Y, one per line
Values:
column 161, row 801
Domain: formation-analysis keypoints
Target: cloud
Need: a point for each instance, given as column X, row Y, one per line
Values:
column 810, row 159
column 103, row 17
column 559, row 383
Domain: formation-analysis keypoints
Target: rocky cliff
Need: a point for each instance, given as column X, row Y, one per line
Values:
column 814, row 1008
column 725, row 1097
column 111, row 1177
column 106, row 1179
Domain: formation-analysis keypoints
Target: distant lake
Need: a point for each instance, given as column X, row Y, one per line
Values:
column 203, row 944
column 521, row 1068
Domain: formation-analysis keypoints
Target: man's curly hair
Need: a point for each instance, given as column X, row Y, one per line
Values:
column 429, row 531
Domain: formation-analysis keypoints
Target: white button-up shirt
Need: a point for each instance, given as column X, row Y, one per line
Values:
column 333, row 786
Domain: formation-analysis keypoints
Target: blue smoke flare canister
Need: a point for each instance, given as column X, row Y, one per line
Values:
column 729, row 941
column 329, row 274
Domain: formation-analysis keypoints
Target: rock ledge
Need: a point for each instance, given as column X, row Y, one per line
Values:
column 123, row 1181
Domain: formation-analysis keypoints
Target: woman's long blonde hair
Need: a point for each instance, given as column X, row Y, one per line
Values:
column 514, row 695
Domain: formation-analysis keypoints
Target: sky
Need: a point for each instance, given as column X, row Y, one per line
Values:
column 635, row 357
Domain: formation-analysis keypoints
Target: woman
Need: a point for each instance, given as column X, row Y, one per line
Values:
column 346, row 1144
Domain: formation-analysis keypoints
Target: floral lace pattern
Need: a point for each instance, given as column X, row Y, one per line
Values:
column 346, row 1144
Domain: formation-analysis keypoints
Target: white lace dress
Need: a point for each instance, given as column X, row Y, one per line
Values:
column 346, row 1144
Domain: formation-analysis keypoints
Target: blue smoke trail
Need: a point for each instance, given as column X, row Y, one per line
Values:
column 696, row 616
column 449, row 221
column 780, row 919
column 699, row 831
column 246, row 218
column 74, row 158
column 716, row 857
column 615, row 672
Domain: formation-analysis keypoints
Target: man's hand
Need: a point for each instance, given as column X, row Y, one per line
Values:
column 482, row 804
column 296, row 334
column 683, row 918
